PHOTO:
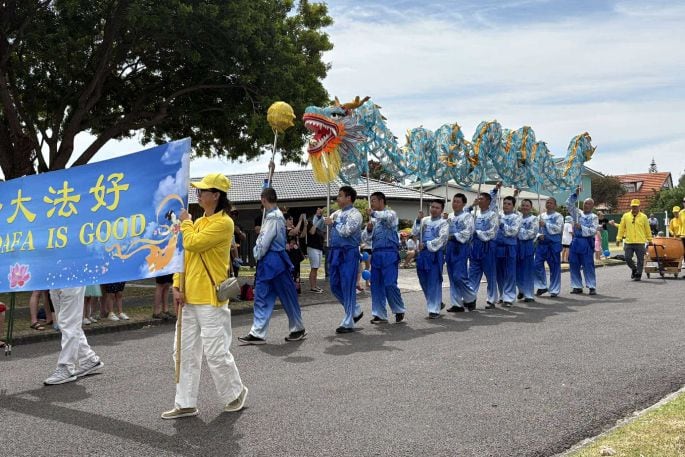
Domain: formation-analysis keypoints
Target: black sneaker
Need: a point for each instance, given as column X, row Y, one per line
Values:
column 540, row 292
column 356, row 319
column 530, row 300
column 553, row 295
column 251, row 339
column 507, row 304
column 633, row 274
column 520, row 295
column 638, row 277
column 592, row 292
column 490, row 305
column 500, row 301
column 296, row 336
column 378, row 320
column 342, row 329
column 434, row 316
column 442, row 305
column 577, row 291
column 470, row 306
column 399, row 317
column 455, row 309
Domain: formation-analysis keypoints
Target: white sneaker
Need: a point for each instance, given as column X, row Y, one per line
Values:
column 91, row 365
column 93, row 319
column 61, row 375
column 86, row 321
column 238, row 403
column 123, row 316
column 112, row 317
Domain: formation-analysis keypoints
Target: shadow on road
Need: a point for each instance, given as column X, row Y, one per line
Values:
column 193, row 436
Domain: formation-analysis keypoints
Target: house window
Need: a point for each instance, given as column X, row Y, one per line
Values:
column 630, row 186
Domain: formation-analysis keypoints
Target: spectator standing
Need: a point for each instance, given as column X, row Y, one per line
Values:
column 161, row 306
column 411, row 251
column 603, row 231
column 653, row 224
column 316, row 230
column 566, row 238
column 114, row 295
column 34, row 303
column 91, row 303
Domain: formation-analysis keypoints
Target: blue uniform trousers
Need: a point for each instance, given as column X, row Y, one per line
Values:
column 550, row 253
column 344, row 267
column 384, row 270
column 525, row 263
column 269, row 284
column 456, row 258
column 581, row 257
column 482, row 261
column 506, row 272
column 429, row 271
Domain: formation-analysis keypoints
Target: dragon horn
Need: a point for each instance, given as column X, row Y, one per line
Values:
column 336, row 102
column 356, row 103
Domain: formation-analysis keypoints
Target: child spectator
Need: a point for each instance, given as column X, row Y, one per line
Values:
column 91, row 304
column 566, row 238
column 114, row 292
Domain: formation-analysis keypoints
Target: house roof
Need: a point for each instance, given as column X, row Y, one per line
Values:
column 647, row 185
column 297, row 185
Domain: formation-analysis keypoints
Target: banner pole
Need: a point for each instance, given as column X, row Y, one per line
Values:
column 10, row 324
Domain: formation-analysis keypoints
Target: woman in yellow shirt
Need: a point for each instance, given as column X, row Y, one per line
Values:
column 674, row 227
column 206, row 322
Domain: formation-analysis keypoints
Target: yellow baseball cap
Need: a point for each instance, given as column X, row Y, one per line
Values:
column 635, row 202
column 676, row 209
column 213, row 181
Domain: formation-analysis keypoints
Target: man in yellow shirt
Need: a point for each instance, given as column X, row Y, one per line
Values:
column 634, row 231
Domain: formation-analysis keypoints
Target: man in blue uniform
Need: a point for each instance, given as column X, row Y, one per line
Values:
column 345, row 232
column 549, row 250
column 525, row 251
column 482, row 259
column 433, row 233
column 507, row 239
column 582, row 250
column 381, row 232
column 460, row 224
column 274, row 276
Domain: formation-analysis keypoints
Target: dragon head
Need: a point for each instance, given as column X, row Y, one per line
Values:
column 330, row 125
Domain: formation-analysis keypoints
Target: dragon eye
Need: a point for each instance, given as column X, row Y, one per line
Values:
column 336, row 114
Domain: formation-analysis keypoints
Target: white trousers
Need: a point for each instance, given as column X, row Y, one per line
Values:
column 68, row 304
column 207, row 329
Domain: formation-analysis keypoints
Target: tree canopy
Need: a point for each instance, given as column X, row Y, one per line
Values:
column 205, row 69
column 666, row 199
column 606, row 190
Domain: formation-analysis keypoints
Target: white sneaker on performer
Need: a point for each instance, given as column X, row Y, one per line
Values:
column 91, row 365
column 123, row 316
column 61, row 375
column 112, row 317
column 238, row 403
column 86, row 321
column 177, row 413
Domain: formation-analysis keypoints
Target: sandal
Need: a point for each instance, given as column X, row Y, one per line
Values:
column 37, row 326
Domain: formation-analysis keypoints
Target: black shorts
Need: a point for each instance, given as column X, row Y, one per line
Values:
column 566, row 245
column 166, row 279
column 368, row 251
column 114, row 287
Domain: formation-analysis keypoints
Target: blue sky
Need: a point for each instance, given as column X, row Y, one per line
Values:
column 613, row 68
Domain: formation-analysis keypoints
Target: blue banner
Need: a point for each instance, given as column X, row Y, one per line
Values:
column 106, row 222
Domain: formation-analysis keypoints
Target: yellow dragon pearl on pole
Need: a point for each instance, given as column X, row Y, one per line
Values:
column 280, row 116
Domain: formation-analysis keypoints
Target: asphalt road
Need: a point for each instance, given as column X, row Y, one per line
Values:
column 529, row 381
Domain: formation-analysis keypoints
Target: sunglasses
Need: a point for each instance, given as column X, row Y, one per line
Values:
column 198, row 192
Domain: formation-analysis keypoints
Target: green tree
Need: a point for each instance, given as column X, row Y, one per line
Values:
column 606, row 190
column 205, row 69
column 666, row 199
column 376, row 171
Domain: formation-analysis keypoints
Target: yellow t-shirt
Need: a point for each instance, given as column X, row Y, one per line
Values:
column 675, row 226
column 635, row 229
column 209, row 237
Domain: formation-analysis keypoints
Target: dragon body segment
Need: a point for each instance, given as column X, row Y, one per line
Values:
column 346, row 136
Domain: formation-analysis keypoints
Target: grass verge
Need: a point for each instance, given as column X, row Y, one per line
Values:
column 658, row 433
